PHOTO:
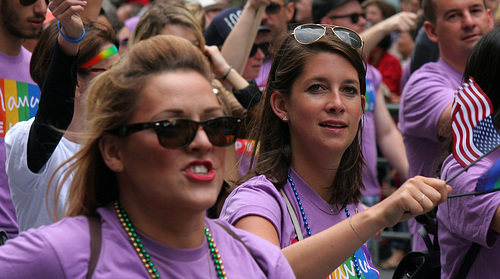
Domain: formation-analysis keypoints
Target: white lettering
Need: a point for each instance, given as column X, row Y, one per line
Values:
column 1, row 99
column 34, row 102
column 22, row 102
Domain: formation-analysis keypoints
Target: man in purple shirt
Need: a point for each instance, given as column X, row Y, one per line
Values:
column 425, row 109
column 17, row 23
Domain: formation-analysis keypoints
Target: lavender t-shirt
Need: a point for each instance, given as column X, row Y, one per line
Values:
column 62, row 250
column 427, row 93
column 464, row 220
column 258, row 196
column 370, row 173
column 13, row 68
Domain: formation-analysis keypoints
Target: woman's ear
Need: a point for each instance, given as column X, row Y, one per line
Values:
column 279, row 105
column 109, row 145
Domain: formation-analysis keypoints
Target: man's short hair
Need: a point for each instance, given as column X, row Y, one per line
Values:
column 322, row 7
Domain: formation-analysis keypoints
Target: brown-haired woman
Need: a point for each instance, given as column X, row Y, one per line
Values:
column 309, row 161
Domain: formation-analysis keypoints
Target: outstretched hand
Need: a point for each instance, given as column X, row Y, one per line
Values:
column 416, row 196
column 67, row 12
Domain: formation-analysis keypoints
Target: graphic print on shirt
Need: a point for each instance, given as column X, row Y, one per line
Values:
column 347, row 270
column 19, row 102
column 370, row 96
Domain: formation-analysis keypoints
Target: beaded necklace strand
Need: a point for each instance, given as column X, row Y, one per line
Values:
column 308, row 228
column 146, row 258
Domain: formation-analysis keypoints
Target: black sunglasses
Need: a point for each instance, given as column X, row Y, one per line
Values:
column 310, row 33
column 264, row 47
column 354, row 17
column 175, row 133
column 273, row 8
column 31, row 2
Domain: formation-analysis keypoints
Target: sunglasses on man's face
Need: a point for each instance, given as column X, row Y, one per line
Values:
column 273, row 8
column 175, row 133
column 264, row 47
column 310, row 33
column 354, row 17
column 31, row 2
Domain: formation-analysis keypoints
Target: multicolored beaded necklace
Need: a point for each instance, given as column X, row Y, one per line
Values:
column 146, row 258
column 308, row 228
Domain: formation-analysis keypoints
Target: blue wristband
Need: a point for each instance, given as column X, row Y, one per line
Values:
column 68, row 39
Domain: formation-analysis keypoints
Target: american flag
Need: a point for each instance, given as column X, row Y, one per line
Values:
column 472, row 124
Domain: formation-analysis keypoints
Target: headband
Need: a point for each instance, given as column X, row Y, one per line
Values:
column 112, row 50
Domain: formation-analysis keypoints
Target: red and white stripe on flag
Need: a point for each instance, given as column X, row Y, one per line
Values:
column 470, row 106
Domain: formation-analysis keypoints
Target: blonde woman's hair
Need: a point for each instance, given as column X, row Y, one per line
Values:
column 162, row 14
column 110, row 104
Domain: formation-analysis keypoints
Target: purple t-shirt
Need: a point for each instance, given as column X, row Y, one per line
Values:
column 427, row 93
column 261, row 79
column 464, row 220
column 258, row 196
column 370, row 173
column 13, row 68
column 62, row 250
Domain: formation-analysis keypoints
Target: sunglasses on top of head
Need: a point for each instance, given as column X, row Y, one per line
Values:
column 264, row 47
column 354, row 17
column 176, row 133
column 273, row 8
column 310, row 33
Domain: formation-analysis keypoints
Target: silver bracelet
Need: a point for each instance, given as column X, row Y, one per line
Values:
column 350, row 222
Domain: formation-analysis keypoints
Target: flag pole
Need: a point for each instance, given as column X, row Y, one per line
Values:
column 466, row 168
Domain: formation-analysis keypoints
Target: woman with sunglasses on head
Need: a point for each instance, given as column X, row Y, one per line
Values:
column 151, row 165
column 70, row 53
column 307, row 179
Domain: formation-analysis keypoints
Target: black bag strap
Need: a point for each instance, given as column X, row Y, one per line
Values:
column 95, row 242
column 3, row 237
column 233, row 234
column 469, row 260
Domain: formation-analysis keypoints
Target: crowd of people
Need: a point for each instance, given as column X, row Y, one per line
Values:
column 210, row 140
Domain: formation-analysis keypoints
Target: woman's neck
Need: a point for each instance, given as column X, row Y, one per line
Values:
column 319, row 176
column 175, row 230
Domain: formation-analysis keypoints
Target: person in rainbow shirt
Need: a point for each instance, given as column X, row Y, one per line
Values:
column 77, row 53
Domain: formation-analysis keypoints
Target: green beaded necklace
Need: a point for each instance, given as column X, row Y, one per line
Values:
column 146, row 258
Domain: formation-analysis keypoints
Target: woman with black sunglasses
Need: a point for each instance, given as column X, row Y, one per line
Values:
column 151, row 165
column 307, row 172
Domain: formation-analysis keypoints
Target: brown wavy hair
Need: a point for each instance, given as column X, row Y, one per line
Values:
column 274, row 151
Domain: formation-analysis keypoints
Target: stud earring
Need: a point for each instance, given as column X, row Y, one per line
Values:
column 285, row 118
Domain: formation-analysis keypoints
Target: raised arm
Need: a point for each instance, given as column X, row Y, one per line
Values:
column 400, row 22
column 56, row 105
column 234, row 47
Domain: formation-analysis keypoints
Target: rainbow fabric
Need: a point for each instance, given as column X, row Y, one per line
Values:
column 19, row 102
column 490, row 180
column 112, row 50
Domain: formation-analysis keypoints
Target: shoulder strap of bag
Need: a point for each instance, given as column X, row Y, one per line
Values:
column 295, row 221
column 95, row 243
column 469, row 260
column 237, row 237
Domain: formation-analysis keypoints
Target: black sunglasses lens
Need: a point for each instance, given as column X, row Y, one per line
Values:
column 273, row 8
column 27, row 2
column 253, row 51
column 306, row 34
column 222, row 131
column 348, row 36
column 264, row 47
column 176, row 133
